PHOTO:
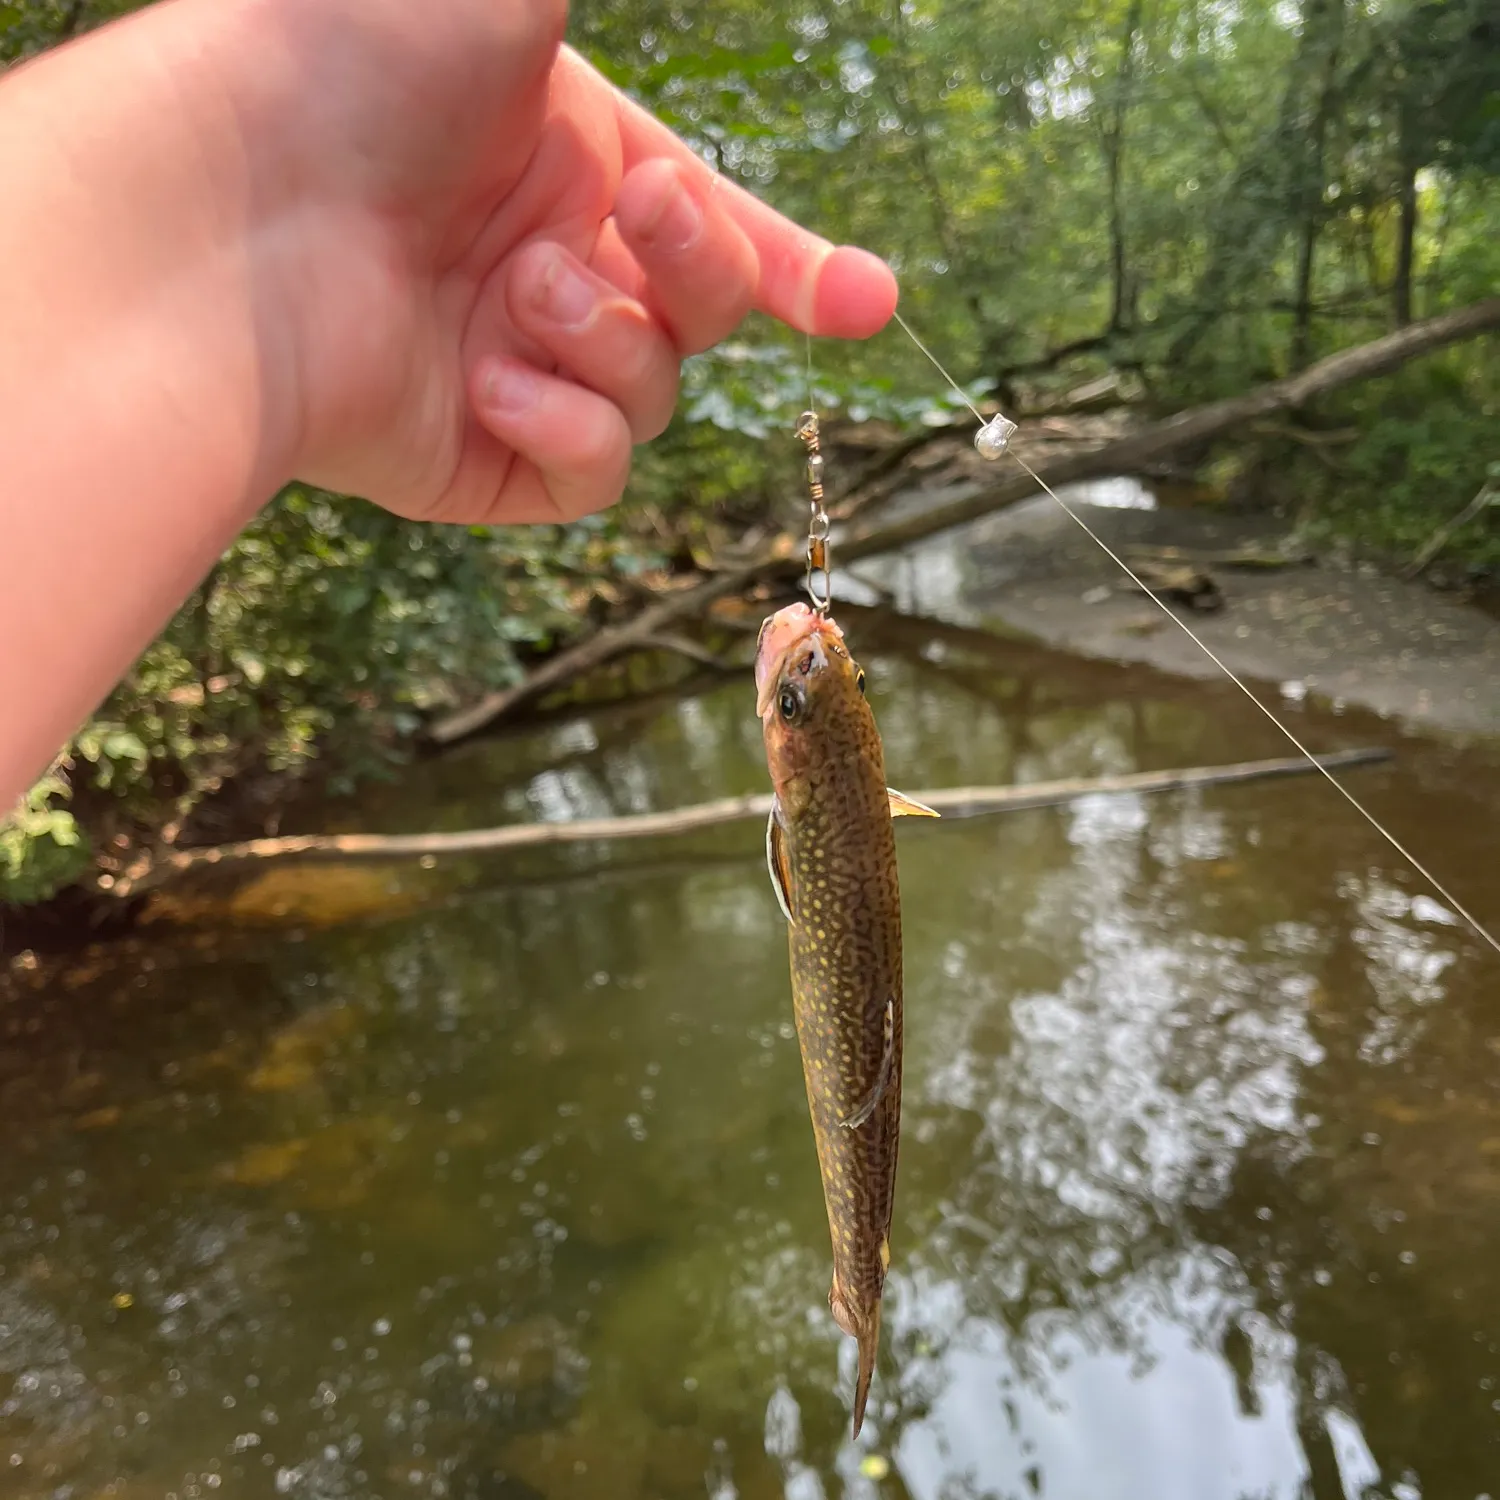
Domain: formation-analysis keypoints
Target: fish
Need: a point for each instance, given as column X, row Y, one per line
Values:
column 831, row 853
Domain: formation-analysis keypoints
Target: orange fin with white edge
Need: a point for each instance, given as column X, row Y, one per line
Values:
column 778, row 864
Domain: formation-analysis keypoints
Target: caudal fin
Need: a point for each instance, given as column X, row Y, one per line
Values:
column 869, row 1344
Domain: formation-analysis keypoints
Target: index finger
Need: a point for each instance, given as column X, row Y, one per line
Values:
column 837, row 291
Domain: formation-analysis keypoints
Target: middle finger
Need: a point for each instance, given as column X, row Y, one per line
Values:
column 700, row 269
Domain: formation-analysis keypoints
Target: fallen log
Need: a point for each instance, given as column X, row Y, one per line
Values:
column 594, row 650
column 681, row 646
column 962, row 801
column 1233, row 557
column 1130, row 454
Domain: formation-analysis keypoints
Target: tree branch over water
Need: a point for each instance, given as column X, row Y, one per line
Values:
column 781, row 559
column 969, row 800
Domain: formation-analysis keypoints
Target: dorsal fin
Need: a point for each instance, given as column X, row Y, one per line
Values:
column 903, row 806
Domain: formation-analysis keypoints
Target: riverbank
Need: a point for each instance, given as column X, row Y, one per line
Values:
column 1345, row 633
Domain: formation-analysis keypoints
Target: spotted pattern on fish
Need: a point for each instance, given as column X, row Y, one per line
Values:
column 845, row 949
column 832, row 851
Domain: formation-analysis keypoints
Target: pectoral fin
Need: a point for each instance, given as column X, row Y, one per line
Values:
column 882, row 1079
column 778, row 864
column 903, row 806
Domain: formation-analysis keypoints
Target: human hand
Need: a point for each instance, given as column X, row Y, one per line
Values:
column 484, row 265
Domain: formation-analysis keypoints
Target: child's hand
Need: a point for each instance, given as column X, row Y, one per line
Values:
column 406, row 249
column 485, row 265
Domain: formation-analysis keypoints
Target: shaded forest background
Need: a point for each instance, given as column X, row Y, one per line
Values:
column 1192, row 197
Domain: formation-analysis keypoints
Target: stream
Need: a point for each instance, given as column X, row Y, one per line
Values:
column 494, row 1179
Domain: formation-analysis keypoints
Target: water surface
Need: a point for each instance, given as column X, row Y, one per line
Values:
column 505, row 1188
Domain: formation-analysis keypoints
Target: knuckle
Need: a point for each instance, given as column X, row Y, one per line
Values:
column 644, row 378
column 602, row 460
column 655, row 414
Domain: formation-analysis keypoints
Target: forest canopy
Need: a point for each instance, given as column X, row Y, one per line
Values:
column 1196, row 195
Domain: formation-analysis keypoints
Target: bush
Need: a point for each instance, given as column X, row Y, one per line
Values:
column 1426, row 445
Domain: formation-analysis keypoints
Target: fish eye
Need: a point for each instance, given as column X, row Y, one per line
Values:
column 789, row 704
column 859, row 681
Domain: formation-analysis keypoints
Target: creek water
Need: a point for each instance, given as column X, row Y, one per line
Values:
column 501, row 1184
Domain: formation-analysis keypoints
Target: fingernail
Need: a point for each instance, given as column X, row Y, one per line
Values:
column 676, row 223
column 564, row 295
column 508, row 386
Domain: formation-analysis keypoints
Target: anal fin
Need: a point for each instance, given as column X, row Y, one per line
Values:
column 867, row 1105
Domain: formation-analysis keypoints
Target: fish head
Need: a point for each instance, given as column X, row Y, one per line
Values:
column 809, row 692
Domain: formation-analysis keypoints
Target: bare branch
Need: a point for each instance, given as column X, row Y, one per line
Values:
column 963, row 801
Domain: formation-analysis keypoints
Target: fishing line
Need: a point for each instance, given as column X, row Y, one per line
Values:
column 993, row 439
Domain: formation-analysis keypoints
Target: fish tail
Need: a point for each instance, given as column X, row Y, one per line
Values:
column 869, row 1343
column 866, row 1330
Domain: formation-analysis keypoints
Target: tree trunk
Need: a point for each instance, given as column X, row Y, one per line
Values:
column 1273, row 194
column 1405, row 247
column 1122, row 311
column 1307, row 246
column 1309, row 191
column 949, row 240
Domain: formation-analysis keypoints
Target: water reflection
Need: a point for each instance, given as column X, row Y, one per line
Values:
column 514, row 1195
column 1067, row 1411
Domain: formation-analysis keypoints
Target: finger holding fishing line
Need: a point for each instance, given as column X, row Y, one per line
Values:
column 707, row 252
column 832, row 291
column 675, row 243
column 676, row 264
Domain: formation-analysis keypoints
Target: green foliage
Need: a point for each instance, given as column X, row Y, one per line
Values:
column 1145, row 177
column 28, row 27
column 324, row 633
column 41, row 845
column 1426, row 446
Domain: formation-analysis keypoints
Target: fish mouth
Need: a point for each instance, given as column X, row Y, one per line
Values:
column 795, row 628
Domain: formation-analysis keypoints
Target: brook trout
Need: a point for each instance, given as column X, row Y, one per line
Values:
column 832, row 857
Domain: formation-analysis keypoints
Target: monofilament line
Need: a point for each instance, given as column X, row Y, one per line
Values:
column 1204, row 647
column 937, row 364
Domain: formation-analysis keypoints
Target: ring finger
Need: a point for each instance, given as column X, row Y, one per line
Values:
column 600, row 337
